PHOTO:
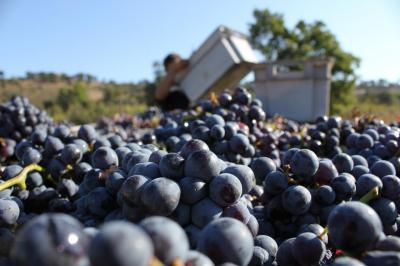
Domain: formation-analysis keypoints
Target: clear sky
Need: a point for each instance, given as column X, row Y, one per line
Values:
column 120, row 39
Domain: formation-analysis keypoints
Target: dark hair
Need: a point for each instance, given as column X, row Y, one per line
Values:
column 169, row 58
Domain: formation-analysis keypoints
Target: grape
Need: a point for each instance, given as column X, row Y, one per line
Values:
column 87, row 133
column 51, row 239
column 71, row 154
column 391, row 187
column 192, row 190
column 244, row 174
column 296, row 200
column 225, row 189
column 192, row 146
column 347, row 261
column 226, row 240
column 382, row 168
column 122, row 244
column 6, row 241
column 325, row 195
column 284, row 256
column 344, row 186
column 161, row 196
column 132, row 188
column 205, row 211
column 181, row 214
column 354, row 227
column 326, row 172
column 268, row 244
column 238, row 211
column 114, row 181
column 367, row 182
column 260, row 257
column 202, row 164
column 9, row 212
column 308, row 249
column 169, row 240
column 148, row 169
column 359, row 160
column 156, row 156
column 343, row 163
column 381, row 258
column 100, row 202
column 304, row 163
column 386, row 209
column 172, row 166
column 261, row 167
column 104, row 157
column 359, row 170
column 389, row 243
column 195, row 258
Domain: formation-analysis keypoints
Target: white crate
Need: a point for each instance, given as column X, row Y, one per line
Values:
column 220, row 62
column 301, row 95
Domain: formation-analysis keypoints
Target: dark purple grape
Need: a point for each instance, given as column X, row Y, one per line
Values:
column 386, row 209
column 354, row 227
column 104, row 157
column 9, row 212
column 381, row 258
column 225, row 189
column 71, row 154
column 192, row 146
column 304, row 163
column 148, row 169
column 343, row 163
column 238, row 211
column 87, row 133
column 121, row 244
column 192, row 190
column 100, row 202
column 325, row 195
column 160, row 196
column 284, row 256
column 347, row 261
column 169, row 239
column 244, row 174
column 205, row 211
column 51, row 239
column 391, row 187
column 382, row 168
column 132, row 188
column 344, row 186
column 359, row 170
column 226, row 240
column 308, row 249
column 261, row 167
column 195, row 258
column 275, row 183
column 202, row 164
column 296, row 200
column 172, row 166
column 260, row 257
column 367, row 182
column 326, row 172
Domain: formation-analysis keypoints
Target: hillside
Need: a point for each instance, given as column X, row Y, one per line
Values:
column 77, row 99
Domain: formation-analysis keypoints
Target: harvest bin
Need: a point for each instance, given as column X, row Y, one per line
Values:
column 298, row 90
column 220, row 62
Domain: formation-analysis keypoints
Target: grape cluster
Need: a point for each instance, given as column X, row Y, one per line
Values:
column 218, row 184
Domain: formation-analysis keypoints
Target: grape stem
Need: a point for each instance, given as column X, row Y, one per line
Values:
column 20, row 179
column 372, row 194
column 325, row 232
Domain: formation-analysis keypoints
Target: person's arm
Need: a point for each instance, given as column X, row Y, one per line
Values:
column 162, row 91
column 166, row 84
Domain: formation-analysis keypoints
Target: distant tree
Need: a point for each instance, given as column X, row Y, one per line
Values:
column 276, row 41
column 2, row 83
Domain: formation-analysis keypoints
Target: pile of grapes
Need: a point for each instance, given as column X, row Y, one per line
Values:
column 218, row 184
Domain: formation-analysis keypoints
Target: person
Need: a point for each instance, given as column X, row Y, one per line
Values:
column 167, row 94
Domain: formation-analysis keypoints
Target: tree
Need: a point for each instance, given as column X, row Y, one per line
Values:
column 276, row 41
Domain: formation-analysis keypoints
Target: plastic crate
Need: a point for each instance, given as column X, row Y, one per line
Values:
column 220, row 62
column 298, row 90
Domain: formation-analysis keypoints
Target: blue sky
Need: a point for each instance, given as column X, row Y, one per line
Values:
column 119, row 40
